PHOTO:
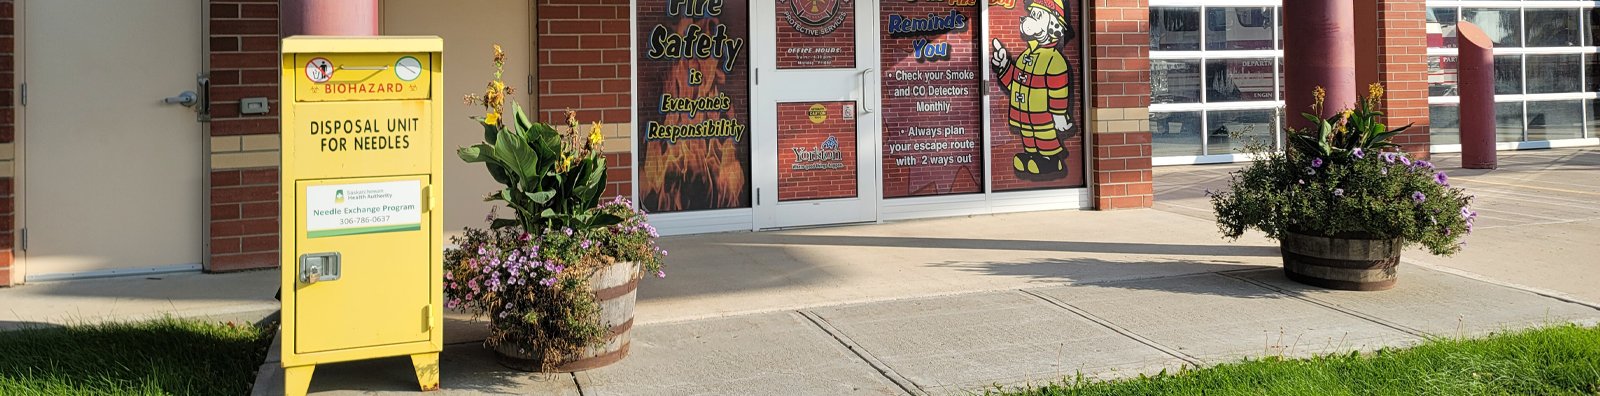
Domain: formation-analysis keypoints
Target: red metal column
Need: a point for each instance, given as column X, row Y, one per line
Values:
column 330, row 17
column 1477, row 97
column 1319, row 49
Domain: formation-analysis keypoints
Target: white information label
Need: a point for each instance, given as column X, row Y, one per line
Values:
column 364, row 208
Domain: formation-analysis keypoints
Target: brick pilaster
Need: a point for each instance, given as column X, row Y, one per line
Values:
column 243, row 230
column 1403, row 69
column 584, row 64
column 8, row 127
column 1120, row 81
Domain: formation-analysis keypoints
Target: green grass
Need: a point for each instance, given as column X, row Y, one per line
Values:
column 1563, row 360
column 159, row 357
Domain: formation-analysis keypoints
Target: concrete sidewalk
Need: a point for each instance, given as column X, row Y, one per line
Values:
column 951, row 306
column 961, row 343
column 955, row 305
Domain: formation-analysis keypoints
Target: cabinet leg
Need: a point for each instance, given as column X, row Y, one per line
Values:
column 297, row 380
column 427, row 367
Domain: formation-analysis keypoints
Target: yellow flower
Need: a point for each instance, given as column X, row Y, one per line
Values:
column 1375, row 91
column 491, row 118
column 498, row 52
column 499, row 86
column 1347, row 113
column 595, row 138
column 1320, row 94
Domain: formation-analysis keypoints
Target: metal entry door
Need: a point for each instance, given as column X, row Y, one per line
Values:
column 112, row 174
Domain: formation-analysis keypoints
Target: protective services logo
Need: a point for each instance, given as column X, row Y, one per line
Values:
column 816, row 17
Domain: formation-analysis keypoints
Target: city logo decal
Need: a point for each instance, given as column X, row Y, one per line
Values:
column 816, row 17
column 825, row 156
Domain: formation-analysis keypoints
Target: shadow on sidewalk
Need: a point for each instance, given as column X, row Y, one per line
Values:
column 1090, row 272
column 736, row 263
column 1005, row 244
column 8, row 325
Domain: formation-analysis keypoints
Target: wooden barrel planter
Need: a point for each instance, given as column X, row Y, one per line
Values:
column 615, row 289
column 1340, row 263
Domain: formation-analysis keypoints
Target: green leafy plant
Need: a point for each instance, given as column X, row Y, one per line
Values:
column 529, row 274
column 552, row 178
column 1333, row 181
column 1346, row 131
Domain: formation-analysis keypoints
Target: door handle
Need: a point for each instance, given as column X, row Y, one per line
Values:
column 865, row 95
column 187, row 99
column 320, row 267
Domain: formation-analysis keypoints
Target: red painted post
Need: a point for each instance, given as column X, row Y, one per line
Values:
column 1319, row 49
column 1476, row 70
column 330, row 17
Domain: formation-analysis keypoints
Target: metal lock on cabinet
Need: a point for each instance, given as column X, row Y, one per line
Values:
column 319, row 267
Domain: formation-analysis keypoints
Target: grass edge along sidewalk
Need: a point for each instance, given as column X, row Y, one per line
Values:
column 1558, row 360
column 167, row 356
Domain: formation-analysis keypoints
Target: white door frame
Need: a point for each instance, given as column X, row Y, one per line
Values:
column 772, row 86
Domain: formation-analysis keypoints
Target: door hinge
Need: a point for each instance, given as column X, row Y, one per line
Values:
column 531, row 93
column 23, row 239
column 24, row 94
column 758, row 76
column 427, row 317
column 758, row 197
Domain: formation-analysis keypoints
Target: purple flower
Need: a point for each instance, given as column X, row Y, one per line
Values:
column 1405, row 160
column 1388, row 157
column 1384, row 171
column 1302, row 181
column 1418, row 197
column 1338, row 192
column 661, row 274
column 1316, row 162
column 548, row 282
column 1358, row 153
column 1441, row 179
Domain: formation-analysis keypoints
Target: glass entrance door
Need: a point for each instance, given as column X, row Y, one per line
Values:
column 816, row 148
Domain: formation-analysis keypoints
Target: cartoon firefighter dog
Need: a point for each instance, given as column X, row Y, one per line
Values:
column 1037, row 83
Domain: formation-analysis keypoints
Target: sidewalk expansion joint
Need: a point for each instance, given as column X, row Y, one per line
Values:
column 882, row 368
column 1335, row 307
column 1547, row 293
column 1191, row 360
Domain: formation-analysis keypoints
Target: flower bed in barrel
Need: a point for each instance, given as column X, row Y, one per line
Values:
column 1343, row 201
column 556, row 279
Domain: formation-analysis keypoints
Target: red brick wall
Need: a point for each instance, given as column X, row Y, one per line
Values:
column 1120, row 63
column 796, row 129
column 584, row 65
column 1403, row 68
column 8, row 117
column 244, row 202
